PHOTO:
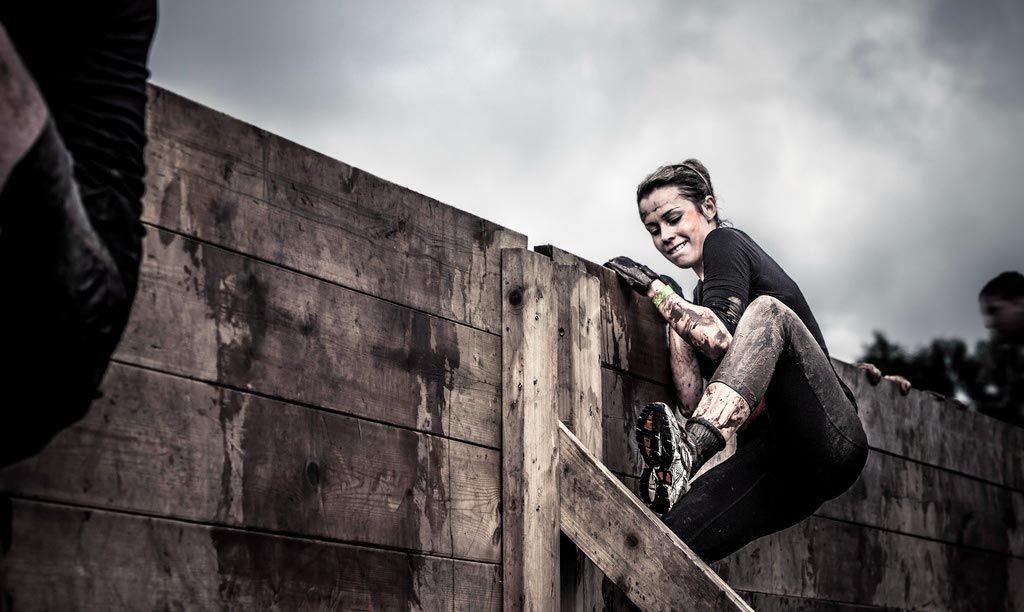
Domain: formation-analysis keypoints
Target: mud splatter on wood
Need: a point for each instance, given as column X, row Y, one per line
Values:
column 164, row 445
column 263, row 195
column 229, row 319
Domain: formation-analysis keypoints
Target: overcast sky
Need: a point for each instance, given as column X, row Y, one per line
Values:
column 874, row 149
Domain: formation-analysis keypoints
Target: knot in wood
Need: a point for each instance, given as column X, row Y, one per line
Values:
column 313, row 473
column 515, row 297
column 631, row 540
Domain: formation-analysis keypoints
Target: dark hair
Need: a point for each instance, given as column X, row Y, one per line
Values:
column 1006, row 286
column 691, row 178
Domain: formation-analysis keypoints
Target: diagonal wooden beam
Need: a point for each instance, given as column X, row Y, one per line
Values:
column 628, row 542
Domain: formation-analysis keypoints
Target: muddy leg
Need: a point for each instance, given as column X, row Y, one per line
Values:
column 723, row 408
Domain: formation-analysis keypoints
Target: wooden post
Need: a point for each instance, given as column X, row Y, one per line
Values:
column 579, row 407
column 530, row 517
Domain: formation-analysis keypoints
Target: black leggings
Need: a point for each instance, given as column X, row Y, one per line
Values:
column 811, row 450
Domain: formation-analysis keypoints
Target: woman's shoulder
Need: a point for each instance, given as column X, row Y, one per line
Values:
column 729, row 238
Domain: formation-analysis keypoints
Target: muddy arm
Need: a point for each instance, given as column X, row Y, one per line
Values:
column 685, row 372
column 699, row 326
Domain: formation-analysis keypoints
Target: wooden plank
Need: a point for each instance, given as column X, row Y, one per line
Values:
column 764, row 602
column 921, row 427
column 61, row 558
column 529, row 444
column 268, row 197
column 916, row 499
column 218, row 316
column 830, row 560
column 630, row 544
column 171, row 115
column 633, row 332
column 163, row 445
column 579, row 407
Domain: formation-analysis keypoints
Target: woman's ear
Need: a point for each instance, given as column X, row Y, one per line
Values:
column 710, row 208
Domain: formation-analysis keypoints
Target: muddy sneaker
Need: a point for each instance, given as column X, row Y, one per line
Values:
column 672, row 453
column 668, row 455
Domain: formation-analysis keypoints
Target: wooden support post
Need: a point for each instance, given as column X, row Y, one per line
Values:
column 579, row 407
column 632, row 546
column 530, row 517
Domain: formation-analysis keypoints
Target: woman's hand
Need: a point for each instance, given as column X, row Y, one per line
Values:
column 638, row 276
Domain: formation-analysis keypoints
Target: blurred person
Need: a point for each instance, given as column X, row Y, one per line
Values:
column 72, row 105
column 1002, row 307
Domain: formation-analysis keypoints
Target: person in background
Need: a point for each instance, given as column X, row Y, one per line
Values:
column 72, row 106
column 1002, row 308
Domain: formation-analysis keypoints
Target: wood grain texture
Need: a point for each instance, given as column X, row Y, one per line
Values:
column 218, row 316
column 217, row 179
column 530, row 534
column 163, row 445
column 933, row 431
column 912, row 498
column 633, row 332
column 835, row 561
column 630, row 544
column 61, row 558
column 579, row 407
column 764, row 602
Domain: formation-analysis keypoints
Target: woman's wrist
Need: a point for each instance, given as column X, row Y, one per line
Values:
column 655, row 286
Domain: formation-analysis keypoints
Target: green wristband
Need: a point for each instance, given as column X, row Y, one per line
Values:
column 659, row 297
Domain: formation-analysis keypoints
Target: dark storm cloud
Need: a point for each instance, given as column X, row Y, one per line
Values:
column 871, row 147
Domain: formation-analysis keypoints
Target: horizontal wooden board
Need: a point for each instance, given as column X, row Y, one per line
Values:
column 917, row 499
column 61, row 558
column 835, row 561
column 169, row 114
column 934, row 431
column 633, row 332
column 207, row 313
column 217, row 179
column 164, row 445
column 764, row 602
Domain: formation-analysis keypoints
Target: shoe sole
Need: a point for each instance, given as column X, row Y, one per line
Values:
column 654, row 439
column 654, row 436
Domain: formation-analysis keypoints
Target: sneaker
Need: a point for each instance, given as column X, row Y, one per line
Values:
column 668, row 455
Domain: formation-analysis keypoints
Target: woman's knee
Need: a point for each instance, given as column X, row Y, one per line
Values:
column 840, row 469
column 766, row 307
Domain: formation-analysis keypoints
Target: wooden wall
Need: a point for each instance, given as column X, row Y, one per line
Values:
column 304, row 411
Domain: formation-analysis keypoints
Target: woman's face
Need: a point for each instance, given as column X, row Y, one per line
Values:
column 676, row 226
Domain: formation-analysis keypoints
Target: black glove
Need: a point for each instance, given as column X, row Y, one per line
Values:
column 638, row 276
